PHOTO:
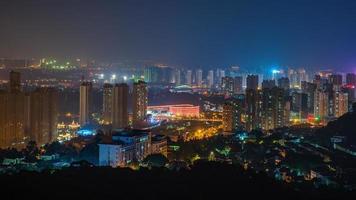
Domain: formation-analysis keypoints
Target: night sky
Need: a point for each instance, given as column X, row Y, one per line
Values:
column 249, row 33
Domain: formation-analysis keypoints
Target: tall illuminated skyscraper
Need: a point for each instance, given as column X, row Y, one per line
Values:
column 12, row 114
column 188, row 77
column 340, row 103
column 85, row 103
column 321, row 104
column 43, row 115
column 253, row 109
column 107, row 103
column 119, row 105
column 140, row 100
column 227, row 85
column 232, row 110
column 210, row 78
column 177, row 77
column 12, row 119
column 273, row 108
column 199, row 77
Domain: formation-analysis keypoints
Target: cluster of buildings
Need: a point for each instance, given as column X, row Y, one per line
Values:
column 278, row 102
column 115, row 104
column 27, row 116
column 128, row 146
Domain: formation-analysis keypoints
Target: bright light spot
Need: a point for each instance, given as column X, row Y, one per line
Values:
column 125, row 78
column 276, row 71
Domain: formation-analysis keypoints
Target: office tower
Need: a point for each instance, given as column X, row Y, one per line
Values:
column 85, row 103
column 227, row 85
column 335, row 79
column 43, row 115
column 321, row 104
column 268, row 84
column 252, row 82
column 177, row 77
column 107, row 103
column 273, row 108
column 199, row 77
column 351, row 79
column 232, row 111
column 299, row 104
column 253, row 109
column 188, row 77
column 139, row 101
column 340, row 103
column 309, row 89
column 210, row 78
column 238, row 85
column 350, row 90
column 284, row 83
column 15, row 82
column 119, row 106
column 12, row 119
column 12, row 114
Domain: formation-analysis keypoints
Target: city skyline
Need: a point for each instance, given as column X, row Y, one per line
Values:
column 199, row 99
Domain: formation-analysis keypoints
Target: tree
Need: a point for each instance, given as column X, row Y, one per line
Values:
column 31, row 152
column 155, row 160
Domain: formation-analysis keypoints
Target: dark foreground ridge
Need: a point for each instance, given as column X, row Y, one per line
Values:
column 205, row 180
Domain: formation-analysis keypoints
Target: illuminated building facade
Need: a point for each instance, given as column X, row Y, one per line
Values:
column 232, row 111
column 107, row 103
column 253, row 109
column 125, row 147
column 159, row 145
column 210, row 79
column 188, row 77
column 140, row 101
column 43, row 115
column 321, row 102
column 85, row 103
column 273, row 108
column 299, row 104
column 227, row 85
column 199, row 77
column 340, row 103
column 119, row 106
column 178, row 110
column 309, row 89
column 12, row 119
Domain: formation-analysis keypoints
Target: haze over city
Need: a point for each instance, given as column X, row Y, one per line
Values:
column 158, row 99
column 198, row 33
